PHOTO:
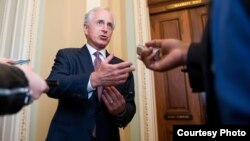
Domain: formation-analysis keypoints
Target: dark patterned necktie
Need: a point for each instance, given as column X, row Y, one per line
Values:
column 97, row 63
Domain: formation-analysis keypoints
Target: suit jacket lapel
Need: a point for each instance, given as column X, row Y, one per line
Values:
column 86, row 60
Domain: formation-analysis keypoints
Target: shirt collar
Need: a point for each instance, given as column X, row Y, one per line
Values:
column 93, row 50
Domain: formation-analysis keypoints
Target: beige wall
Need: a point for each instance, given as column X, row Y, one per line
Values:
column 61, row 27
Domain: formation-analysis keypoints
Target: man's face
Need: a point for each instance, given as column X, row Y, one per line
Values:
column 100, row 29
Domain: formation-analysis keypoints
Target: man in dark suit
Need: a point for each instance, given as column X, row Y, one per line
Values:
column 19, row 86
column 81, row 114
column 217, row 65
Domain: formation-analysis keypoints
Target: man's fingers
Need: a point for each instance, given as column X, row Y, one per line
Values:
column 123, row 65
column 125, row 71
column 109, row 58
column 7, row 61
column 154, row 43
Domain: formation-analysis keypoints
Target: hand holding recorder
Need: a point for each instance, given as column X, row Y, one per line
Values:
column 37, row 84
column 173, row 53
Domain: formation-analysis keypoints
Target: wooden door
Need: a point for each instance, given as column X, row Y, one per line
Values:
column 175, row 102
column 157, row 1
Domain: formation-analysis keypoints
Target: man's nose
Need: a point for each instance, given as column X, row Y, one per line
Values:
column 105, row 27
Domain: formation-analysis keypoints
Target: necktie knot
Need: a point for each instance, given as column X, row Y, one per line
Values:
column 97, row 53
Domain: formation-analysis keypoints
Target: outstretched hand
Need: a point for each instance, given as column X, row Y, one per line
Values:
column 173, row 54
column 111, row 74
column 37, row 84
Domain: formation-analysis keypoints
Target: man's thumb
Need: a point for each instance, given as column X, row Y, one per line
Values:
column 109, row 58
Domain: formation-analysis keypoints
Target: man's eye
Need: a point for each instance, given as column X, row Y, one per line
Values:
column 99, row 22
column 111, row 26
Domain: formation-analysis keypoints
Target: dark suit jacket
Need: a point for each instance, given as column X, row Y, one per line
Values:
column 210, row 63
column 76, row 115
column 12, row 85
column 201, row 77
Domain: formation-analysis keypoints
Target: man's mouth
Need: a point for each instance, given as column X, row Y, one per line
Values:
column 103, row 37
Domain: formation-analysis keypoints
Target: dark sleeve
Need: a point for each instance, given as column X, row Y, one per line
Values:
column 72, row 77
column 13, row 89
column 129, row 94
column 194, row 67
column 199, row 62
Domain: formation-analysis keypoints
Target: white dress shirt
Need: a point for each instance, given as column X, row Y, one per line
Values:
column 92, row 50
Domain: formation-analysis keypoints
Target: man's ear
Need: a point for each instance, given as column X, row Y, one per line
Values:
column 85, row 29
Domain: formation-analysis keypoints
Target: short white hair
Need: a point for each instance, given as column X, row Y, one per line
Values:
column 89, row 15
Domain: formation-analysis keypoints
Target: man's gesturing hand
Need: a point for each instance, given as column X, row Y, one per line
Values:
column 111, row 74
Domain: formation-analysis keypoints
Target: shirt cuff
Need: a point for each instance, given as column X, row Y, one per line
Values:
column 90, row 89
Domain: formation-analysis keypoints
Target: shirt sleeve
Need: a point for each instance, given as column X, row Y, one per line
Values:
column 90, row 89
